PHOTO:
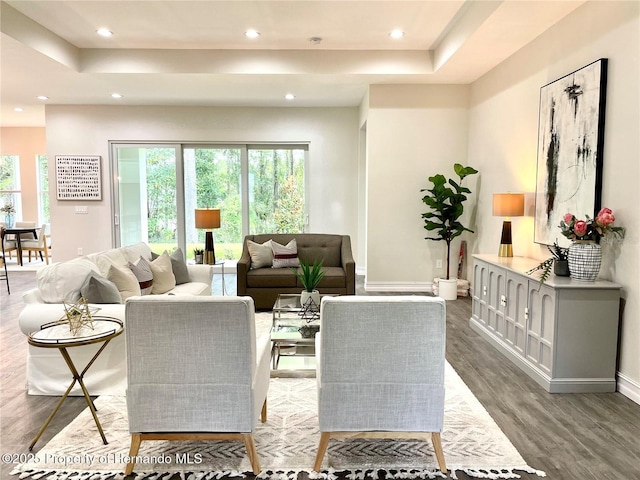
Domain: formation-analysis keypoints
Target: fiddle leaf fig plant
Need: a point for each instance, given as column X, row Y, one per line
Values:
column 445, row 200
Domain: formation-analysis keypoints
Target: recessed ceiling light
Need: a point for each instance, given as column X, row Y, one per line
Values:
column 289, row 96
column 251, row 33
column 42, row 97
column 397, row 33
column 104, row 32
column 18, row 109
column 116, row 95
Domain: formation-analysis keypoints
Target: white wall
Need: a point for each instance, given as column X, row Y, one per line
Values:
column 503, row 142
column 332, row 134
column 413, row 132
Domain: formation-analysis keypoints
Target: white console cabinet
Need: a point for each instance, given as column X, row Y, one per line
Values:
column 563, row 333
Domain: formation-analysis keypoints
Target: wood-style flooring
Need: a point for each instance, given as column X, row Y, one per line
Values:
column 570, row 436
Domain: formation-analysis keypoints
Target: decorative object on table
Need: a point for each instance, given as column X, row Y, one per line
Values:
column 9, row 211
column 446, row 204
column 507, row 205
column 198, row 255
column 310, row 310
column 559, row 260
column 310, row 276
column 570, row 146
column 208, row 219
column 78, row 178
column 585, row 253
column 78, row 315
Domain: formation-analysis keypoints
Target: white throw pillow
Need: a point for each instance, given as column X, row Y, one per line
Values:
column 285, row 256
column 125, row 280
column 61, row 282
column 163, row 277
column 104, row 260
column 261, row 254
column 133, row 252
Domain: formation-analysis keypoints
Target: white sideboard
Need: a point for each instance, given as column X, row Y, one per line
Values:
column 563, row 333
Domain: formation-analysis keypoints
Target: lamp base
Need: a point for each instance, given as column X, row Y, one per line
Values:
column 506, row 247
column 505, row 250
column 209, row 253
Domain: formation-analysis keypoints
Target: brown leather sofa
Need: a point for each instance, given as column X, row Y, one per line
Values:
column 264, row 284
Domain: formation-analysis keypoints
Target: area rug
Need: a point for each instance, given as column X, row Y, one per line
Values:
column 286, row 445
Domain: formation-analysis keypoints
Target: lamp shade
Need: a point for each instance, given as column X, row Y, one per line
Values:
column 207, row 218
column 508, row 204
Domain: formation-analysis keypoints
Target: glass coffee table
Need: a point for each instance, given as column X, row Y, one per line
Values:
column 293, row 332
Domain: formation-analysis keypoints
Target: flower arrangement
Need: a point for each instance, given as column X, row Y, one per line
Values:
column 8, row 208
column 591, row 229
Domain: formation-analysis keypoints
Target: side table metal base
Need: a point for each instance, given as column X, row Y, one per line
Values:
column 77, row 377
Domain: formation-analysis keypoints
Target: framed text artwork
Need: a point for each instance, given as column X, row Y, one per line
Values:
column 570, row 146
column 78, row 178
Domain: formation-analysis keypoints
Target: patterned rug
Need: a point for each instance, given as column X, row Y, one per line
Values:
column 286, row 445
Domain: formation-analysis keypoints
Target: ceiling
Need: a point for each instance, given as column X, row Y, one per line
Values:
column 184, row 52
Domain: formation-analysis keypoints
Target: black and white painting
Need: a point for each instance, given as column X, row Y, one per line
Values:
column 570, row 143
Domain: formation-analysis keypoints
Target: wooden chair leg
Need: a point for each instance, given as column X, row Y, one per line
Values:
column 251, row 452
column 322, row 448
column 263, row 413
column 437, row 447
column 136, row 439
column 46, row 255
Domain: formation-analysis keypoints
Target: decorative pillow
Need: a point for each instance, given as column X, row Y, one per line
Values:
column 97, row 289
column 125, row 281
column 261, row 254
column 61, row 282
column 142, row 270
column 285, row 256
column 163, row 277
column 179, row 267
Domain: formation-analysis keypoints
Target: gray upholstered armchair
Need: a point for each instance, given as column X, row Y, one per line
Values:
column 195, row 370
column 380, row 369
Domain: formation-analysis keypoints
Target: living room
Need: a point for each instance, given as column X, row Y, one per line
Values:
column 368, row 163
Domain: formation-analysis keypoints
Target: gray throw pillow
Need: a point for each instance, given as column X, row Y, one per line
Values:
column 143, row 273
column 97, row 289
column 179, row 267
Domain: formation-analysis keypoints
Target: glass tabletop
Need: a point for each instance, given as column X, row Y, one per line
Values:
column 59, row 333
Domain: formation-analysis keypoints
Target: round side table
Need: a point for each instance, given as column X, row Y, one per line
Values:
column 58, row 335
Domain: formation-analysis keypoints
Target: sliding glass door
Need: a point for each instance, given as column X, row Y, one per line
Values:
column 147, row 197
column 258, row 189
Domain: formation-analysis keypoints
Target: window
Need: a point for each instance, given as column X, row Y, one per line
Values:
column 42, row 167
column 258, row 189
column 10, row 183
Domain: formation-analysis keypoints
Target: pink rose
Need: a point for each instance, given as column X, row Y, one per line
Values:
column 568, row 218
column 580, row 228
column 605, row 217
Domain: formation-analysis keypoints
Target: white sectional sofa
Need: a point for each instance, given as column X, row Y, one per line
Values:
column 47, row 373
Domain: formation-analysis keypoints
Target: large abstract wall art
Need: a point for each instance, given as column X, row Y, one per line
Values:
column 570, row 144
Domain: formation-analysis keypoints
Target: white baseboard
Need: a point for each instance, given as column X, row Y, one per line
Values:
column 425, row 287
column 629, row 388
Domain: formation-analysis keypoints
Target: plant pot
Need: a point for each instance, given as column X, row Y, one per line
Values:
column 315, row 296
column 561, row 268
column 448, row 289
column 198, row 258
column 584, row 260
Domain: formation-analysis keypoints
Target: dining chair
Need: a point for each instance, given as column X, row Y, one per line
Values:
column 37, row 245
column 4, row 275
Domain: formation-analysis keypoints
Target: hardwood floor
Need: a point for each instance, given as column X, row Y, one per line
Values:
column 570, row 436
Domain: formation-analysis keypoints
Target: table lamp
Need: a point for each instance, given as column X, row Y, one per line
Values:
column 507, row 205
column 208, row 219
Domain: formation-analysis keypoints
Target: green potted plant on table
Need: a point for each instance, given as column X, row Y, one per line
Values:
column 310, row 276
column 445, row 200
column 198, row 255
column 559, row 260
